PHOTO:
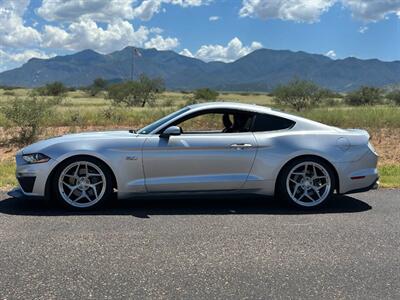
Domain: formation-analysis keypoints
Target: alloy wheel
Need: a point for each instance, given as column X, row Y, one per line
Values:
column 308, row 184
column 82, row 184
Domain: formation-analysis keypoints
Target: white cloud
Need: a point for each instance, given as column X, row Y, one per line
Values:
column 294, row 10
column 161, row 43
column 107, row 10
column 331, row 54
column 213, row 18
column 186, row 52
column 311, row 10
column 234, row 50
column 86, row 34
column 97, row 10
column 363, row 29
column 13, row 32
column 372, row 10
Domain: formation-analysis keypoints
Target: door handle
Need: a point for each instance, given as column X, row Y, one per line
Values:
column 241, row 146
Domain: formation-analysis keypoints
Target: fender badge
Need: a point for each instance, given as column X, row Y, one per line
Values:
column 131, row 158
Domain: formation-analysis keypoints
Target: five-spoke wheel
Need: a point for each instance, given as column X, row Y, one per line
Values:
column 306, row 182
column 82, row 182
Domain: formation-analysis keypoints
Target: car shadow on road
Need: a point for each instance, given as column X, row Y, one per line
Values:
column 222, row 205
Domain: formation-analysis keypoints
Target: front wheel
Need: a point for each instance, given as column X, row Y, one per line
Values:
column 82, row 183
column 307, row 182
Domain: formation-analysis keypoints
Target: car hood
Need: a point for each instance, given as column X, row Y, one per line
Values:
column 77, row 137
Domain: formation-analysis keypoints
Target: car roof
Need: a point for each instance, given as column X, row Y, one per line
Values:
column 231, row 105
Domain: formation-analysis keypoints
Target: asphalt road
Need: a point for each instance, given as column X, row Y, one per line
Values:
column 202, row 248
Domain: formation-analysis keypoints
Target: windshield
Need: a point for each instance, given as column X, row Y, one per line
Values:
column 158, row 123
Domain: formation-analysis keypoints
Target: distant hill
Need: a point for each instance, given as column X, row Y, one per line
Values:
column 260, row 70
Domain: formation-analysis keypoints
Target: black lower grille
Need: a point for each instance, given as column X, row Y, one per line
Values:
column 27, row 183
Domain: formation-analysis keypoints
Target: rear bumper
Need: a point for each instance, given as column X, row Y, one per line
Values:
column 359, row 175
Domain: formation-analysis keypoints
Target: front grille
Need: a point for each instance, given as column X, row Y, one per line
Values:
column 27, row 183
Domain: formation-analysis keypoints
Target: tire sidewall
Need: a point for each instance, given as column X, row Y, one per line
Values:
column 59, row 169
column 282, row 189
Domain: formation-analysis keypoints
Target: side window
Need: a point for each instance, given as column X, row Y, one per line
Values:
column 264, row 122
column 216, row 121
column 206, row 123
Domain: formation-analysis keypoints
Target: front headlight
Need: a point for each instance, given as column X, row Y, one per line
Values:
column 35, row 158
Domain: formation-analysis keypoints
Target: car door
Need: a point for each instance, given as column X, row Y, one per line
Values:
column 204, row 161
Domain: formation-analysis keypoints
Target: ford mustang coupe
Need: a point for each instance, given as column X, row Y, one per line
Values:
column 203, row 148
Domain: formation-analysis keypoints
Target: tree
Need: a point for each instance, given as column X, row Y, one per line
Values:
column 55, row 88
column 394, row 96
column 136, row 93
column 365, row 95
column 300, row 94
column 98, row 85
column 205, row 94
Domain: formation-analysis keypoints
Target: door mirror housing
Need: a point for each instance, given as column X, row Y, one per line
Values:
column 172, row 130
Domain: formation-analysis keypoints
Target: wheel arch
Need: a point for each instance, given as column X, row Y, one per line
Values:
column 335, row 172
column 48, row 186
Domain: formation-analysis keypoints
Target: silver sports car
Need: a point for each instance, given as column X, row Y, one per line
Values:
column 203, row 148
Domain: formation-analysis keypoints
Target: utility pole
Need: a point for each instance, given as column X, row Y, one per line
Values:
column 133, row 62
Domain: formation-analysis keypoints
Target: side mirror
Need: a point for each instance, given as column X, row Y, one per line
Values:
column 173, row 130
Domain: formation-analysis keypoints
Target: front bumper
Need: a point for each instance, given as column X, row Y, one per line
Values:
column 20, row 194
column 32, row 178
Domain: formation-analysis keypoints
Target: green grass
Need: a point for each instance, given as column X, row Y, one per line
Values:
column 389, row 175
column 7, row 174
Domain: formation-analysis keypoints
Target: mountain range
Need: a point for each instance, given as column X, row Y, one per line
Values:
column 260, row 70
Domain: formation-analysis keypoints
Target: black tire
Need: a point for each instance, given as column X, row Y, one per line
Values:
column 108, row 181
column 282, row 188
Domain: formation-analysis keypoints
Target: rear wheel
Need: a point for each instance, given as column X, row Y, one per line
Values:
column 307, row 182
column 82, row 183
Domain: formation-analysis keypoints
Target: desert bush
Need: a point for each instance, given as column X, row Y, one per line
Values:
column 300, row 94
column 365, row 95
column 75, row 118
column 394, row 96
column 52, row 89
column 28, row 116
column 136, row 93
column 111, row 114
column 9, row 93
column 205, row 94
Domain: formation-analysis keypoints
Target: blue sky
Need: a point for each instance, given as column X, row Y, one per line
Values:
column 207, row 29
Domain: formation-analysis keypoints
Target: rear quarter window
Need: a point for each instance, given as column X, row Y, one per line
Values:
column 264, row 122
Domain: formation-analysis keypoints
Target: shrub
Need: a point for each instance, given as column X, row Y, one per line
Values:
column 300, row 94
column 394, row 97
column 28, row 115
column 52, row 89
column 364, row 96
column 136, row 93
column 9, row 93
column 205, row 94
